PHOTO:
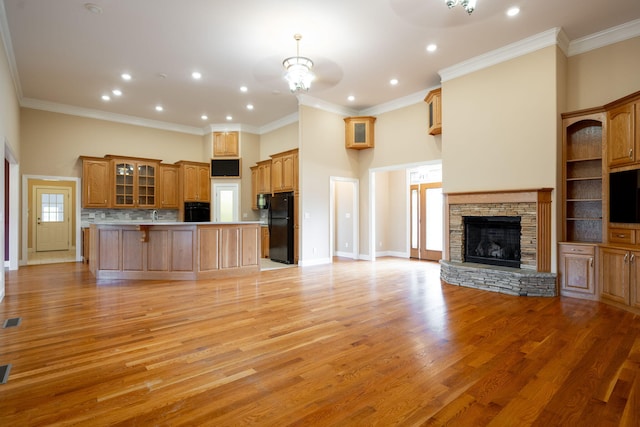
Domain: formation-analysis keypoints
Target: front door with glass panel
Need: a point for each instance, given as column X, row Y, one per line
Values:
column 426, row 221
column 52, row 219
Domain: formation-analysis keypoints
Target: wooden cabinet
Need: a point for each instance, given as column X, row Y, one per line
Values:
column 169, row 195
column 95, row 182
column 620, row 276
column 254, row 187
column 264, row 177
column 86, row 244
column 624, row 134
column 434, row 105
column 225, row 144
column 359, row 132
column 134, row 183
column 264, row 234
column 577, row 270
column 282, row 171
column 194, row 181
column 582, row 177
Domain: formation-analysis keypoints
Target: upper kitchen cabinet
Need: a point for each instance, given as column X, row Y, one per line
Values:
column 169, row 195
column 434, row 104
column 225, row 144
column 95, row 182
column 624, row 133
column 264, row 177
column 359, row 132
column 195, row 181
column 283, row 171
column 134, row 183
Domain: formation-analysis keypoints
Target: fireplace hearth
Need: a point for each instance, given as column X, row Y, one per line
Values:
column 492, row 240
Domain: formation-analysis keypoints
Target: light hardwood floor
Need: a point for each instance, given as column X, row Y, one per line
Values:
column 352, row 343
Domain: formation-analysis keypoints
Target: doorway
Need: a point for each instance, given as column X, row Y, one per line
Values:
column 43, row 243
column 225, row 202
column 426, row 221
column 343, row 218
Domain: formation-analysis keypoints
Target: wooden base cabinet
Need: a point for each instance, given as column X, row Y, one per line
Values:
column 577, row 270
column 620, row 276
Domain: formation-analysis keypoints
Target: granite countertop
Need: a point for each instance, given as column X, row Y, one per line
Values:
column 169, row 223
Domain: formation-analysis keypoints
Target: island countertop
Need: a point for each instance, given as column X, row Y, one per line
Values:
column 160, row 250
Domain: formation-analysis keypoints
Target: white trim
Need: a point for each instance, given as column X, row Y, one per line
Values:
column 396, row 104
column 5, row 35
column 235, row 190
column 14, row 207
column 320, row 104
column 605, row 38
column 285, row 121
column 508, row 52
column 315, row 261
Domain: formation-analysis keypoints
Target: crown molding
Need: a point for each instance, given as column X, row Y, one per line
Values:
column 111, row 117
column 506, row 53
column 396, row 104
column 310, row 101
column 5, row 35
column 604, row 38
column 277, row 124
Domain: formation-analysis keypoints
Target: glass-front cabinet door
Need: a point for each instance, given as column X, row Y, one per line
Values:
column 146, row 185
column 135, row 184
column 124, row 184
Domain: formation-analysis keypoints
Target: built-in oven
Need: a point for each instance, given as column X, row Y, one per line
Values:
column 197, row 212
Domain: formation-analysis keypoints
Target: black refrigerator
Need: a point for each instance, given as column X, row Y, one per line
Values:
column 281, row 228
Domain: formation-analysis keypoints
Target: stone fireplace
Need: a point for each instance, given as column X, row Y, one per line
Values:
column 492, row 240
column 479, row 249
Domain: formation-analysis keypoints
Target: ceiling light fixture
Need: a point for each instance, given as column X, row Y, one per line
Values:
column 298, row 74
column 117, row 92
column 93, row 8
column 513, row 11
column 125, row 76
column 469, row 5
column 196, row 75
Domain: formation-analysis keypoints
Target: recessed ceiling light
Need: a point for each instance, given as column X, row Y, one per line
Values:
column 249, row 106
column 513, row 11
column 229, row 118
column 393, row 82
column 106, row 98
column 243, row 89
column 204, row 117
column 196, row 75
column 116, row 92
column 93, row 8
column 125, row 76
column 159, row 108
column 432, row 48
column 351, row 98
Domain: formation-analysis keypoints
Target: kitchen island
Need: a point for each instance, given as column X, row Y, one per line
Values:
column 174, row 250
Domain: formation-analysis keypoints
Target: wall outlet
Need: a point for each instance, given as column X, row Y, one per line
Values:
column 346, row 244
column 92, row 215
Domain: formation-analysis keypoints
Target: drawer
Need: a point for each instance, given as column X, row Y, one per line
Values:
column 578, row 249
column 621, row 235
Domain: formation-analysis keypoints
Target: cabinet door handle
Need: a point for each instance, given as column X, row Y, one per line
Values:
column 631, row 153
column 633, row 258
column 626, row 257
column 591, row 262
column 621, row 236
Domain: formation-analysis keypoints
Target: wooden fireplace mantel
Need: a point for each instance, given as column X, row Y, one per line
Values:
column 540, row 196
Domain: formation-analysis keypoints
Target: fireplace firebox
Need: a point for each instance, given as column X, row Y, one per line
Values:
column 492, row 240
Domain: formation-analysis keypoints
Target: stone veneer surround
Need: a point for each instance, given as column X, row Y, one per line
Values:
column 534, row 209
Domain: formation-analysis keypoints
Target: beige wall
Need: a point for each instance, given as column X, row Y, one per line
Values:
column 250, row 154
column 279, row 140
column 499, row 126
column 603, row 75
column 322, row 155
column 52, row 142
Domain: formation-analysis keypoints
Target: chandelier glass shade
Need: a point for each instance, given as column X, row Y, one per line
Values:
column 298, row 70
column 469, row 5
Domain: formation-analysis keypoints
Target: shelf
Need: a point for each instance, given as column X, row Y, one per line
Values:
column 584, row 219
column 585, row 159
column 588, row 178
column 584, row 200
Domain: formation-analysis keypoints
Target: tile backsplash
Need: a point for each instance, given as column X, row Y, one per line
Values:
column 89, row 216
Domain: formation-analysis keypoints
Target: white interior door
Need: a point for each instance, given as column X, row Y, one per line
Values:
column 225, row 202
column 53, row 222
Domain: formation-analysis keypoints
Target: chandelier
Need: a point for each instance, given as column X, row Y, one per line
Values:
column 298, row 70
column 469, row 5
